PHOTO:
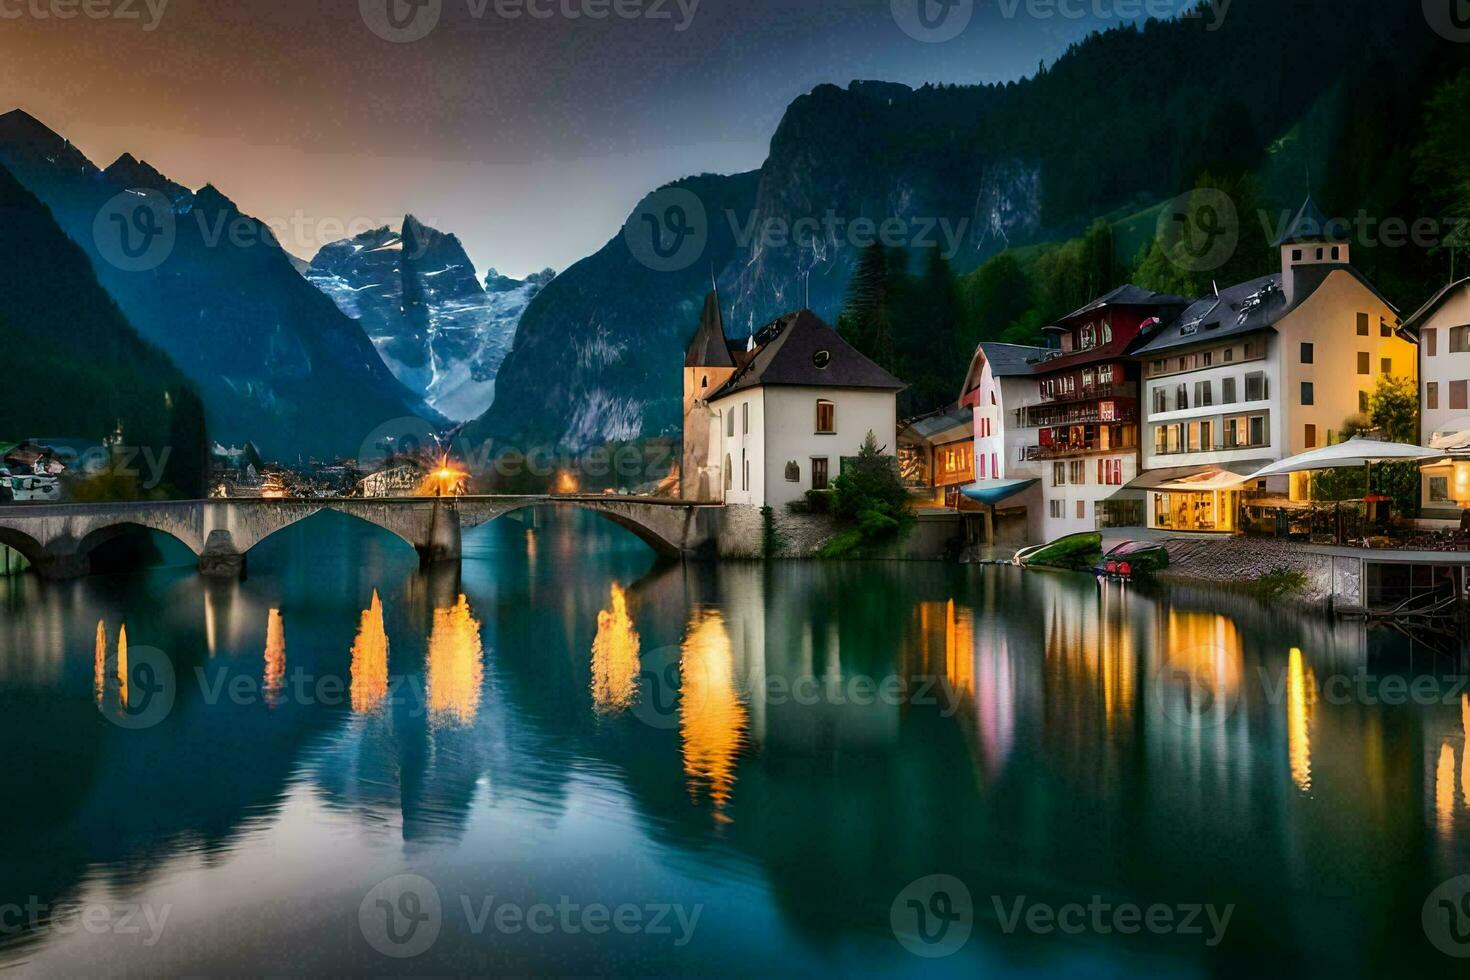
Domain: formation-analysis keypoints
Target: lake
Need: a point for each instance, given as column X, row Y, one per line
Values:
column 564, row 758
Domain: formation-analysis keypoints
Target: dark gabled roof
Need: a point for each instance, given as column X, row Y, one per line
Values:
column 941, row 423
column 1309, row 225
column 1011, row 360
column 785, row 354
column 1421, row 316
column 1249, row 307
column 1129, row 295
column 1245, row 308
column 709, row 348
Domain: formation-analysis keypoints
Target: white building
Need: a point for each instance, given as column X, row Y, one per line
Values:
column 999, row 387
column 801, row 400
column 1264, row 370
column 1443, row 329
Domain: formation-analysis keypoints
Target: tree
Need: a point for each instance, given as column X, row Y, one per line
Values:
column 865, row 319
column 925, row 320
column 869, row 492
column 1393, row 409
column 996, row 296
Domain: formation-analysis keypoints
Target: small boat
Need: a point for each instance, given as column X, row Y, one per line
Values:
column 1080, row 551
column 35, row 488
column 1134, row 558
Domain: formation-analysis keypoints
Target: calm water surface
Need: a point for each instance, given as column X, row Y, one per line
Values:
column 757, row 763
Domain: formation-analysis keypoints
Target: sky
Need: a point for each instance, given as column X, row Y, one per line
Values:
column 529, row 137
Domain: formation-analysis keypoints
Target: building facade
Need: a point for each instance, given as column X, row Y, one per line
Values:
column 1443, row 329
column 1000, row 385
column 1263, row 370
column 800, row 401
column 1082, row 426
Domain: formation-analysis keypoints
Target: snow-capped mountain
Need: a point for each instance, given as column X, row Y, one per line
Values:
column 415, row 291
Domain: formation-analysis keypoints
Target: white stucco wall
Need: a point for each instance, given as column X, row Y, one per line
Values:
column 1443, row 367
column 790, row 434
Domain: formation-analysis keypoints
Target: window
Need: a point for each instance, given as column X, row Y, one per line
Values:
column 729, row 472
column 1058, row 474
column 704, row 381
column 1227, row 391
column 1431, row 395
column 1364, row 363
column 1181, row 397
column 1258, row 430
column 1203, row 394
column 745, row 418
column 1386, row 365
column 982, row 469
column 1158, row 367
column 1363, row 403
column 821, row 359
column 1209, row 358
column 1439, row 489
column 1255, row 387
column 1107, row 333
column 826, row 417
column 995, row 465
column 1193, row 435
column 1459, row 340
column 744, row 471
column 1336, row 252
column 1321, row 253
column 1430, row 338
column 1207, row 431
column 1161, row 400
column 1184, row 364
column 1384, row 329
column 1307, row 352
column 1081, row 509
column 1235, row 432
column 1160, row 439
column 1296, row 255
column 1089, row 338
column 1457, row 395
column 819, row 472
column 730, row 424
column 1077, row 472
column 1362, row 324
column 1230, row 355
column 1311, row 436
column 1055, row 509
column 793, row 472
column 1308, row 394
column 1172, row 439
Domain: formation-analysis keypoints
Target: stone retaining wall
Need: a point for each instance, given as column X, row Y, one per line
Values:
column 1239, row 561
column 742, row 534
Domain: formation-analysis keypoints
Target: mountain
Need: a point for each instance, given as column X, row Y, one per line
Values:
column 415, row 292
column 275, row 361
column 75, row 367
column 1124, row 121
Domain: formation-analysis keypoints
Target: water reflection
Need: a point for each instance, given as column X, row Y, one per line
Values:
column 615, row 657
column 1301, row 696
column 456, row 668
column 370, row 659
column 712, row 717
column 1084, row 741
column 275, row 658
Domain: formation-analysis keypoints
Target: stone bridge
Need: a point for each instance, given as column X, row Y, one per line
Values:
column 59, row 538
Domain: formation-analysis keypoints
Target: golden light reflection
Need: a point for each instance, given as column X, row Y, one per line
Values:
column 275, row 658
column 712, row 718
column 1465, row 748
column 122, row 665
column 1208, row 651
column 370, row 659
column 1444, row 791
column 456, row 666
column 1091, row 664
column 99, row 664
column 615, row 657
column 1301, row 699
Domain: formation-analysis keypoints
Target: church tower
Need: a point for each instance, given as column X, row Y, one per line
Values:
column 1309, row 240
column 707, row 365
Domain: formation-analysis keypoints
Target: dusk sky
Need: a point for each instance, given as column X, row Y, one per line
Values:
column 529, row 138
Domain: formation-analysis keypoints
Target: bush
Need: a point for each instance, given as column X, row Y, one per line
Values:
column 1279, row 583
column 818, row 502
column 871, row 494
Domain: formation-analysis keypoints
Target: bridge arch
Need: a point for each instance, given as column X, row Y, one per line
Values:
column 97, row 537
column 662, row 528
column 251, row 542
column 29, row 548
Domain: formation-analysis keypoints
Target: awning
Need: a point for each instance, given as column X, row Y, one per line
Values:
column 1356, row 452
column 992, row 492
column 1198, row 479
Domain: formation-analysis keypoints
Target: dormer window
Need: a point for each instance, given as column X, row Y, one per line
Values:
column 1089, row 337
column 821, row 359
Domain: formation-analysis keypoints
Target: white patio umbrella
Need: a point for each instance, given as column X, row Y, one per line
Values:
column 1356, row 451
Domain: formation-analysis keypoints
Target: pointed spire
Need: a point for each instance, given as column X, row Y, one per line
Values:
column 1309, row 225
column 709, row 348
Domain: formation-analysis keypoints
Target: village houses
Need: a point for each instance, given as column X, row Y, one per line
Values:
column 1443, row 329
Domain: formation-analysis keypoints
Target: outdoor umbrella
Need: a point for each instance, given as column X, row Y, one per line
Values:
column 1357, row 451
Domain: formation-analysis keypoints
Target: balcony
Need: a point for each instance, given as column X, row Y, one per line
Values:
column 1065, row 450
column 1057, row 415
column 1118, row 389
